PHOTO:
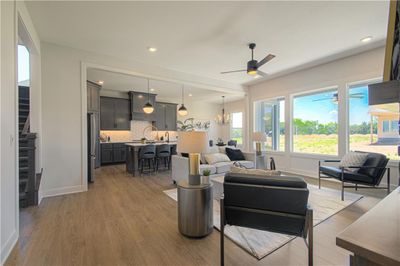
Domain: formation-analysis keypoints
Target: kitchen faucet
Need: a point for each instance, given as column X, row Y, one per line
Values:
column 166, row 135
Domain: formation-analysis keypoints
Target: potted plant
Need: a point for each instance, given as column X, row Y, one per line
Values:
column 206, row 175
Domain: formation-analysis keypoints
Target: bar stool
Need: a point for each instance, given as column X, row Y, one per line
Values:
column 163, row 153
column 147, row 154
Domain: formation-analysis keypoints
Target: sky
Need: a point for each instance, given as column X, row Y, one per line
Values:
column 23, row 63
column 320, row 107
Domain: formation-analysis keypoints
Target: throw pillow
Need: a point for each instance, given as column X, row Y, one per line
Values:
column 213, row 158
column 235, row 154
column 353, row 159
column 258, row 172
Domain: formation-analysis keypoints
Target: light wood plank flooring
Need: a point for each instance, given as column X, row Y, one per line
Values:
column 125, row 220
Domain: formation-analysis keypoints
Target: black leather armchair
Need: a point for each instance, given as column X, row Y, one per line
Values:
column 276, row 204
column 367, row 176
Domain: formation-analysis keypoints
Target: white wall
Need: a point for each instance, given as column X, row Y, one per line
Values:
column 9, row 204
column 15, row 22
column 63, row 145
column 364, row 66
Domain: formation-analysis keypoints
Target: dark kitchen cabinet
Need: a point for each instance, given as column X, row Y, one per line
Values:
column 138, row 100
column 114, row 114
column 165, row 116
column 93, row 96
column 113, row 153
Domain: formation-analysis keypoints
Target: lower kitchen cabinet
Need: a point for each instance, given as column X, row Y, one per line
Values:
column 113, row 153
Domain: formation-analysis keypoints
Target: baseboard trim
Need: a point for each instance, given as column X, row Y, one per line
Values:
column 60, row 191
column 8, row 247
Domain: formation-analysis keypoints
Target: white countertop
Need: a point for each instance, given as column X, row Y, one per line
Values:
column 156, row 143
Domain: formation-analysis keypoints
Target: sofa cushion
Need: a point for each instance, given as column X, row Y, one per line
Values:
column 222, row 149
column 210, row 150
column 213, row 158
column 235, row 154
column 244, row 164
column 348, row 176
column 212, row 168
column 223, row 167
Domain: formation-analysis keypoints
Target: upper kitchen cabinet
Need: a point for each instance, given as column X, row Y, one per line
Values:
column 93, row 96
column 115, row 114
column 165, row 116
column 138, row 100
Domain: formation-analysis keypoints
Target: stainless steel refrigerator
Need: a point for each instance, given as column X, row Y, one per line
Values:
column 93, row 131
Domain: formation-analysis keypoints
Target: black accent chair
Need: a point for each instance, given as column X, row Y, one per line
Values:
column 163, row 153
column 276, row 204
column 147, row 154
column 232, row 143
column 367, row 176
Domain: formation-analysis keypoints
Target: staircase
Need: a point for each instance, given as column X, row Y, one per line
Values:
column 28, row 179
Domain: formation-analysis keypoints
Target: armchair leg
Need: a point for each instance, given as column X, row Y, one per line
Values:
column 388, row 181
column 319, row 174
column 222, row 220
column 310, row 238
column 342, row 178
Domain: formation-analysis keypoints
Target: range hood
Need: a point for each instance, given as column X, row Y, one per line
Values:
column 389, row 90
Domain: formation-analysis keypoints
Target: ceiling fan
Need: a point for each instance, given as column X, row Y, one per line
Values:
column 253, row 65
column 334, row 98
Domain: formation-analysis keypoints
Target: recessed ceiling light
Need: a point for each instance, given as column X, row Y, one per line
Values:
column 190, row 95
column 366, row 39
column 152, row 49
column 151, row 89
column 101, row 82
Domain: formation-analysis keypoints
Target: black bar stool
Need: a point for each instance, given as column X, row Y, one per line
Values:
column 147, row 154
column 163, row 153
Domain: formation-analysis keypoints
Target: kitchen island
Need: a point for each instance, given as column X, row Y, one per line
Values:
column 132, row 155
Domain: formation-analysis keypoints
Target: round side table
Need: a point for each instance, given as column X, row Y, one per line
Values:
column 195, row 209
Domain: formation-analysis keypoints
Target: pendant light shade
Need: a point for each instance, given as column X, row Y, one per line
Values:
column 223, row 118
column 182, row 111
column 148, row 107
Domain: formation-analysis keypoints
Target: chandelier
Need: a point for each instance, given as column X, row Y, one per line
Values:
column 223, row 118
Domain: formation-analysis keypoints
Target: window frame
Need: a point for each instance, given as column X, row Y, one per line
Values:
column 291, row 135
column 271, row 99
column 231, row 128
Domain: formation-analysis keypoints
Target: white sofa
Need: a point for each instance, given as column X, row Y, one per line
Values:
column 180, row 165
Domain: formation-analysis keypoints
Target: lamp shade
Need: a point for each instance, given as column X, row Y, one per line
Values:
column 259, row 136
column 192, row 142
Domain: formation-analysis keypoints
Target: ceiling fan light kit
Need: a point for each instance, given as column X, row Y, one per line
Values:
column 253, row 65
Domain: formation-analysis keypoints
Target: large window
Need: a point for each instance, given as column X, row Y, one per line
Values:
column 270, row 118
column 372, row 128
column 237, row 127
column 315, row 122
column 23, row 66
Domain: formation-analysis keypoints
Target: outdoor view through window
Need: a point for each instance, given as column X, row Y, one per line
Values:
column 315, row 123
column 372, row 128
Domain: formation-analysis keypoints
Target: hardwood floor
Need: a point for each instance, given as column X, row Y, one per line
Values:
column 125, row 220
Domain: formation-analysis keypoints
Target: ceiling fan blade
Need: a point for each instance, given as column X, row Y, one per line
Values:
column 265, row 60
column 233, row 71
column 262, row 74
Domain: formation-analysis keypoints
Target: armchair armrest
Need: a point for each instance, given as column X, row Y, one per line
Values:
column 367, row 167
column 330, row 161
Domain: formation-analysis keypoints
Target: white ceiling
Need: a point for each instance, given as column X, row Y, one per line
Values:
column 205, row 38
column 165, row 90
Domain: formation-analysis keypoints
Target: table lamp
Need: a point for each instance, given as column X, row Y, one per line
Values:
column 259, row 137
column 194, row 143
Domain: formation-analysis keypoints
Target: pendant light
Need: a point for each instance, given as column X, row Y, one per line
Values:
column 182, row 111
column 148, row 108
column 223, row 119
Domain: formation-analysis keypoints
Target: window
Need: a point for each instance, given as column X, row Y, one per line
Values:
column 270, row 118
column 23, row 66
column 315, row 123
column 237, row 127
column 372, row 128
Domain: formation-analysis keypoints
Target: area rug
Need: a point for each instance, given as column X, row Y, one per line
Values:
column 325, row 203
